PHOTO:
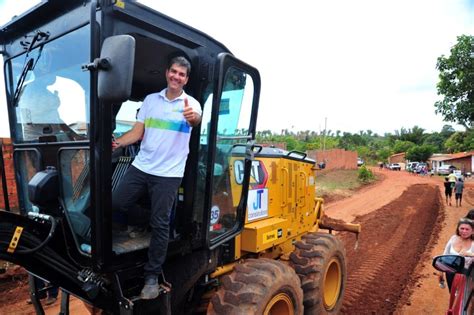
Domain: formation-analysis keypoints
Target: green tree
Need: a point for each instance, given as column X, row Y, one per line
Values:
column 363, row 152
column 456, row 83
column 469, row 140
column 365, row 175
column 402, row 146
column 460, row 141
column 383, row 154
column 447, row 131
column 415, row 135
column 420, row 153
column 291, row 143
column 436, row 140
column 350, row 141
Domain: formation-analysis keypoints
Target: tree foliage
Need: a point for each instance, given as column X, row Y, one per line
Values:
column 460, row 141
column 402, row 146
column 415, row 135
column 456, row 83
column 420, row 153
column 365, row 175
column 374, row 148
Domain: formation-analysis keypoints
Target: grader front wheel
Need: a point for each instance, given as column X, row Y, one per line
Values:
column 259, row 286
column 319, row 260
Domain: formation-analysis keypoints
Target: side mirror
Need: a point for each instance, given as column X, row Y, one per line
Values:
column 115, row 77
column 449, row 263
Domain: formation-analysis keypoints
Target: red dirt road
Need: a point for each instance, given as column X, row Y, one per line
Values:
column 392, row 241
column 404, row 224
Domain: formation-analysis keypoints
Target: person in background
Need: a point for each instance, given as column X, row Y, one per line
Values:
column 448, row 190
column 452, row 179
column 461, row 243
column 50, row 294
column 458, row 189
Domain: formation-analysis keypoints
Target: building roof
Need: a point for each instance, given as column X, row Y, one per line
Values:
column 439, row 157
column 459, row 155
column 398, row 154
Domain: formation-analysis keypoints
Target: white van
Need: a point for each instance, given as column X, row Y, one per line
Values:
column 446, row 169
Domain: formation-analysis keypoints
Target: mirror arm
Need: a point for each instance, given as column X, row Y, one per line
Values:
column 97, row 64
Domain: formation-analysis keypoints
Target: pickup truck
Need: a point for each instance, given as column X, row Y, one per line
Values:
column 394, row 167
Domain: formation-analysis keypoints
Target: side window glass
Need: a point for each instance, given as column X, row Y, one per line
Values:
column 75, row 182
column 232, row 129
column 126, row 117
column 29, row 164
column 53, row 101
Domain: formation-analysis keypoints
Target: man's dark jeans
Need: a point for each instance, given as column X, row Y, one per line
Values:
column 162, row 191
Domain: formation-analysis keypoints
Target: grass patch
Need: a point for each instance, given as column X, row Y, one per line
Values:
column 337, row 184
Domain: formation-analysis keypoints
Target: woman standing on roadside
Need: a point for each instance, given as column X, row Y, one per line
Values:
column 460, row 244
column 448, row 190
column 458, row 188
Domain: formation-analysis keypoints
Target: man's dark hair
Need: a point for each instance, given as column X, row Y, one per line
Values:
column 470, row 214
column 182, row 62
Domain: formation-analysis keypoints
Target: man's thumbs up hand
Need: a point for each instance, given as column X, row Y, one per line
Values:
column 188, row 112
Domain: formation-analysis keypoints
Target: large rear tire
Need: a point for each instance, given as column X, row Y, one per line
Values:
column 259, row 286
column 319, row 259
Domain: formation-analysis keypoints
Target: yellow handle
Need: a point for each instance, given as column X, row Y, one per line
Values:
column 284, row 186
column 15, row 238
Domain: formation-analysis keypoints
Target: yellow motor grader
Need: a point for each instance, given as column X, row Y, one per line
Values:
column 246, row 230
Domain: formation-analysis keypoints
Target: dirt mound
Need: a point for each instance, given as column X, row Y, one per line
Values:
column 13, row 286
column 392, row 241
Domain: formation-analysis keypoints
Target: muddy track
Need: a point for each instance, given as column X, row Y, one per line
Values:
column 468, row 196
column 391, row 243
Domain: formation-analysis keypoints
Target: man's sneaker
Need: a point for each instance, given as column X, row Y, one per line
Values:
column 50, row 300
column 151, row 289
column 120, row 229
column 29, row 301
column 137, row 232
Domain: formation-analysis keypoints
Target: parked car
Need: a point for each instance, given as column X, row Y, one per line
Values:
column 360, row 162
column 446, row 169
column 395, row 167
column 411, row 166
column 420, row 167
column 461, row 300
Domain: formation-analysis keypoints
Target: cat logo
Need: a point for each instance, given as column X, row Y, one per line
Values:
column 258, row 174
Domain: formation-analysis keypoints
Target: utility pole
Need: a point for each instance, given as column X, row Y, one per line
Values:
column 320, row 138
column 325, row 132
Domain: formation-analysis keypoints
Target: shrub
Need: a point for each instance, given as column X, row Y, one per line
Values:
column 365, row 175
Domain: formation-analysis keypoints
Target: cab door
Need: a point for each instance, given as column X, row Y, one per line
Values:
column 229, row 128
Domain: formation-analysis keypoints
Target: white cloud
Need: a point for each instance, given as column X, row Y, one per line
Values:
column 11, row 8
column 365, row 64
column 361, row 64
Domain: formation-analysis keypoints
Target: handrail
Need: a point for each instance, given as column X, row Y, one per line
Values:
column 303, row 154
column 249, row 137
column 4, row 178
column 303, row 181
column 284, row 187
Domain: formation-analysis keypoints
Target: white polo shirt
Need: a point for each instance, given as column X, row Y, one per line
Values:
column 165, row 144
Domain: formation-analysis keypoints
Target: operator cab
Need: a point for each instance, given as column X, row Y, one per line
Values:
column 76, row 74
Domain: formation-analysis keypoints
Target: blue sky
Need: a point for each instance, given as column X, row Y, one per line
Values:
column 365, row 64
